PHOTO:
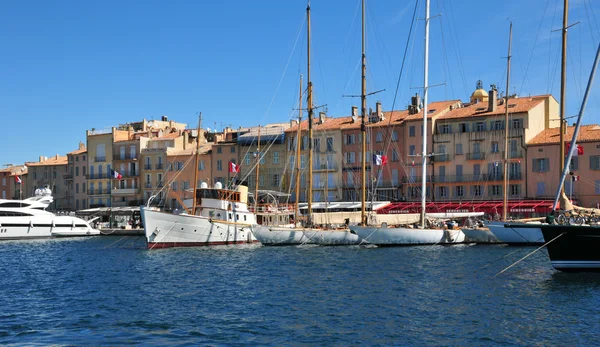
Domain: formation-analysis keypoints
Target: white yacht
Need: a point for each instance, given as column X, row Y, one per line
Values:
column 28, row 219
column 218, row 216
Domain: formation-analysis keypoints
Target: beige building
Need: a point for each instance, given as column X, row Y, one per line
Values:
column 49, row 172
column 468, row 145
column 543, row 171
column 76, row 178
column 181, row 173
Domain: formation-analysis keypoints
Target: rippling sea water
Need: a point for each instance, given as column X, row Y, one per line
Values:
column 112, row 291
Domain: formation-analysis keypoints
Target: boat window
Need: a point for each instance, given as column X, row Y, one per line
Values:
column 230, row 216
column 14, row 214
column 14, row 204
column 237, row 217
column 244, row 217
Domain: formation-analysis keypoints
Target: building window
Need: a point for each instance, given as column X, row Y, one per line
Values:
column 445, row 129
column 317, row 145
column 477, row 190
column 304, row 144
column 292, row 162
column 395, row 156
column 350, row 157
column 515, row 189
column 174, row 186
column 350, row 139
column 495, row 147
column 459, row 149
column 394, row 136
column 574, row 164
column 541, row 165
column 276, row 180
column 411, row 150
column 498, row 125
column 219, row 150
column 495, row 190
column 540, row 188
column 597, row 187
column 595, row 162
column 302, row 161
column 291, row 144
column 232, row 149
column 480, row 126
column 261, row 180
column 516, row 124
column 276, row 157
column 379, row 137
column 219, row 165
column 411, row 131
column 201, row 165
column 179, row 166
column 330, row 144
column 460, row 191
column 443, row 192
column 463, row 127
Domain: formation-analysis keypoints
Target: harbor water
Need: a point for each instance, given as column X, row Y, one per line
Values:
column 111, row 290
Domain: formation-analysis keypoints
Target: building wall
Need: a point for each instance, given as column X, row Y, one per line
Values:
column 100, row 158
column 545, row 184
column 126, row 161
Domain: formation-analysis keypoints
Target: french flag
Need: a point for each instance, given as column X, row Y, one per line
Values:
column 116, row 174
column 233, row 167
column 18, row 180
column 379, row 159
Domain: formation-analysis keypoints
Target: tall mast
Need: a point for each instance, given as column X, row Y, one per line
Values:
column 298, row 136
column 196, row 165
column 425, row 90
column 310, row 121
column 563, row 89
column 258, row 156
column 505, row 188
column 363, row 127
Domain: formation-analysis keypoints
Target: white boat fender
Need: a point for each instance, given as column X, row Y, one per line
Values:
column 31, row 224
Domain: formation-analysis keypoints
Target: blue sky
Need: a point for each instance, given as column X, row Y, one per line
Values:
column 70, row 66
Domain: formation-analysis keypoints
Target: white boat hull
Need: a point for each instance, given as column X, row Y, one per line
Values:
column 282, row 236
column 516, row 236
column 333, row 237
column 480, row 235
column 408, row 236
column 164, row 230
column 42, row 226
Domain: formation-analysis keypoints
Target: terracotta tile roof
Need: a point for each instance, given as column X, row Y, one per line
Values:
column 434, row 109
column 204, row 149
column 78, row 151
column 168, row 136
column 52, row 161
column 587, row 133
column 517, row 105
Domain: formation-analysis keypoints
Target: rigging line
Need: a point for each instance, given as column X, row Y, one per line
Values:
column 518, row 261
column 379, row 42
column 537, row 35
column 286, row 66
column 445, row 54
column 457, row 50
column 550, row 55
column 591, row 10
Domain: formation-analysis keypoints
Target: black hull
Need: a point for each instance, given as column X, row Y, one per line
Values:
column 575, row 248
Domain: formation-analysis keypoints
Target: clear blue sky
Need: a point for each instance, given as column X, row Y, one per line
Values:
column 69, row 66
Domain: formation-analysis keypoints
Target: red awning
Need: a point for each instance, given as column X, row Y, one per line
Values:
column 538, row 207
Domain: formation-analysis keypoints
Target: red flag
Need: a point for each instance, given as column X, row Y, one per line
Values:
column 18, row 180
column 233, row 167
column 576, row 153
column 383, row 160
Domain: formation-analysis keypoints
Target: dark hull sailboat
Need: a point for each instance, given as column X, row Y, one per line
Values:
column 573, row 248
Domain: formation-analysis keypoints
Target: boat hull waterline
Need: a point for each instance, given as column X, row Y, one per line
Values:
column 480, row 235
column 515, row 235
column 165, row 230
column 408, row 236
column 573, row 248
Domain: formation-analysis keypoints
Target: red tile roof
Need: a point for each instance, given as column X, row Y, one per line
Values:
column 517, row 105
column 52, row 161
column 587, row 133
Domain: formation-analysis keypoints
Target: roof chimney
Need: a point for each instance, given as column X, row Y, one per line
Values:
column 415, row 104
column 493, row 99
column 322, row 117
column 378, row 111
column 293, row 122
column 354, row 114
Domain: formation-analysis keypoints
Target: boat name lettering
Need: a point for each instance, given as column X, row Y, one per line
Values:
column 457, row 211
column 522, row 210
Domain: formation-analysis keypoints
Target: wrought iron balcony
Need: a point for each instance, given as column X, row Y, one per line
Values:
column 476, row 156
column 100, row 159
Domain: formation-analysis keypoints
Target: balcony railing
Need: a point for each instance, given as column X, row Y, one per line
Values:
column 68, row 176
column 461, row 178
column 147, row 166
column 100, row 159
column 127, row 156
column 125, row 191
column 98, row 191
column 98, row 176
column 148, row 185
column 441, row 158
column 513, row 154
column 330, row 167
column 476, row 156
column 160, row 166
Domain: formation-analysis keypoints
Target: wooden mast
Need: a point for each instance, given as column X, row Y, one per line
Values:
column 310, row 122
column 258, row 158
column 195, row 184
column 563, row 89
column 506, row 127
column 298, row 136
column 425, row 92
column 363, row 127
